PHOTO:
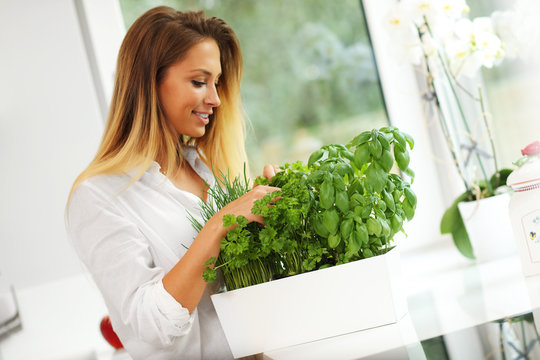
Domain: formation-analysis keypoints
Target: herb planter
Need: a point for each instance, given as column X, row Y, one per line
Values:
column 312, row 306
column 489, row 228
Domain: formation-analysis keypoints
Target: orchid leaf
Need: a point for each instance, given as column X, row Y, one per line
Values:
column 452, row 223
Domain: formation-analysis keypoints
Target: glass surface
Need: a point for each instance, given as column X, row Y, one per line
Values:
column 309, row 74
column 512, row 337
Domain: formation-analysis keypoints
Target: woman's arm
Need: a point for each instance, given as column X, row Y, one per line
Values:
column 184, row 281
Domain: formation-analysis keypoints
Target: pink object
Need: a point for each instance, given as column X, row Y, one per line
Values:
column 531, row 149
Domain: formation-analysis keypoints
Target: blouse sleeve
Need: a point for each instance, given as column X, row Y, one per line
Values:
column 120, row 261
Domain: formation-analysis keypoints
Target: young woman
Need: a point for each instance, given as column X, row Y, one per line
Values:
column 175, row 112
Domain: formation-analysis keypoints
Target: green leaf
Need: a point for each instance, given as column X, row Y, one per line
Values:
column 375, row 148
column 410, row 173
column 373, row 226
column 327, row 194
column 361, row 155
column 334, row 240
column 396, row 194
column 389, row 200
column 331, row 221
column 452, row 218
column 347, row 154
column 376, row 177
column 408, row 208
column 314, row 157
column 319, row 227
column 339, row 183
column 398, row 135
column 500, row 177
column 387, row 161
column 342, row 201
column 402, row 158
column 385, row 142
column 361, row 139
column 361, row 233
column 346, row 228
column 332, row 152
column 242, row 221
column 209, row 275
column 397, row 223
column 354, row 244
column 385, row 232
column 410, row 195
column 210, row 261
column 462, row 241
column 409, row 139
column 229, row 220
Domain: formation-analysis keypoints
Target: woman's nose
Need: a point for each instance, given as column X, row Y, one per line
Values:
column 212, row 97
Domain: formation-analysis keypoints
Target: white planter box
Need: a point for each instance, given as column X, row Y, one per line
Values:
column 313, row 306
column 489, row 228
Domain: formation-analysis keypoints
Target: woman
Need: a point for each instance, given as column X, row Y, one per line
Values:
column 175, row 111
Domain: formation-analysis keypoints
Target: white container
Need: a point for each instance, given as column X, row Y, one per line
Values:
column 524, row 212
column 489, row 228
column 313, row 306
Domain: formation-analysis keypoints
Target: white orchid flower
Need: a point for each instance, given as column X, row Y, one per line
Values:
column 403, row 43
column 474, row 45
column 482, row 24
column 462, row 60
column 420, row 9
column 453, row 9
column 488, row 45
column 398, row 18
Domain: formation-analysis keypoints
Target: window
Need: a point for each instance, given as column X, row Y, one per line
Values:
column 512, row 87
column 309, row 74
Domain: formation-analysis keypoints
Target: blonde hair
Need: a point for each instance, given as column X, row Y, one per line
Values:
column 137, row 131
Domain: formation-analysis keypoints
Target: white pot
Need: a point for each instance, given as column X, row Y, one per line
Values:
column 489, row 228
column 312, row 306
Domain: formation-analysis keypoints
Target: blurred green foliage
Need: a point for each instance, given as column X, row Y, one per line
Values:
column 308, row 70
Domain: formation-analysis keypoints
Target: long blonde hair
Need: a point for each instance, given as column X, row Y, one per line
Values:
column 137, row 131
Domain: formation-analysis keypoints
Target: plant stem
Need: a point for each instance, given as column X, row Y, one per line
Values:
column 446, row 134
column 481, row 98
column 442, row 118
column 460, row 109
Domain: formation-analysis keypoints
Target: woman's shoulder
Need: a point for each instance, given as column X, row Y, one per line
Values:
column 100, row 189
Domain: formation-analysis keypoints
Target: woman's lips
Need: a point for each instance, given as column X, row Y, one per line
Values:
column 203, row 117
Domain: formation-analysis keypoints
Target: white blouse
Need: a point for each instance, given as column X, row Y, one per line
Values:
column 129, row 237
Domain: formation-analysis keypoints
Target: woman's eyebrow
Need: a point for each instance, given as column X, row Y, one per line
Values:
column 205, row 72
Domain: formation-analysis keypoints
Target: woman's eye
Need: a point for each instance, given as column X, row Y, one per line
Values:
column 198, row 83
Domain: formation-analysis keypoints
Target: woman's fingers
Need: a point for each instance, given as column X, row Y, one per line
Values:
column 269, row 171
column 244, row 204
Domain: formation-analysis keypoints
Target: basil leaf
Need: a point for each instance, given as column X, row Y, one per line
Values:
column 314, row 157
column 331, row 221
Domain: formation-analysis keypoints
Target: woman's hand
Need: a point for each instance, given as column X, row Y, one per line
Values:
column 244, row 204
column 269, row 171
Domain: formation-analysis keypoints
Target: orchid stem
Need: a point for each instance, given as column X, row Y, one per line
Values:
column 484, row 116
column 460, row 109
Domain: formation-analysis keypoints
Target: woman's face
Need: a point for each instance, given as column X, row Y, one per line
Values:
column 188, row 92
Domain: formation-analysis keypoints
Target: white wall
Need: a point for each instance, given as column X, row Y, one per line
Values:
column 50, row 125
